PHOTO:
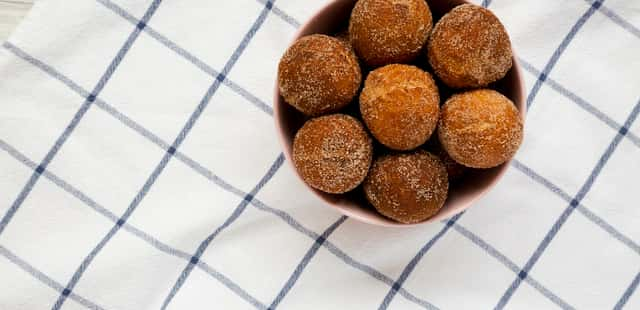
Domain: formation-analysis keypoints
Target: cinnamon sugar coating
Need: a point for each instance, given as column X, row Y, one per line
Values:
column 400, row 105
column 480, row 128
column 469, row 48
column 407, row 187
column 319, row 74
column 389, row 31
column 332, row 153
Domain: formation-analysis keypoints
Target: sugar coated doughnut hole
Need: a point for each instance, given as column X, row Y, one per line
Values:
column 343, row 36
column 455, row 171
column 319, row 74
column 389, row 31
column 407, row 187
column 332, row 153
column 469, row 48
column 400, row 105
column 480, row 128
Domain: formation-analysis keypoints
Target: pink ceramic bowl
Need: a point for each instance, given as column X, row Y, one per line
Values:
column 330, row 20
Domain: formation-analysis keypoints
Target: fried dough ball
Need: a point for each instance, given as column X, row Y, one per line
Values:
column 318, row 74
column 332, row 153
column 407, row 187
column 480, row 128
column 343, row 36
column 469, row 48
column 389, row 31
column 400, row 105
column 454, row 170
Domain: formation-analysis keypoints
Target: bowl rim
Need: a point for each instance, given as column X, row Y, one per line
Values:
column 519, row 102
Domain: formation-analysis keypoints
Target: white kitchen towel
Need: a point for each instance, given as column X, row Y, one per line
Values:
column 140, row 169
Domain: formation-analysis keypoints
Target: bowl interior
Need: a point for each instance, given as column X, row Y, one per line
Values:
column 334, row 18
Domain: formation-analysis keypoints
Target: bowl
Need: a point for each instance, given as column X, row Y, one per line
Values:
column 333, row 18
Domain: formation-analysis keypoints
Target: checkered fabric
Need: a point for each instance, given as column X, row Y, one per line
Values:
column 140, row 170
